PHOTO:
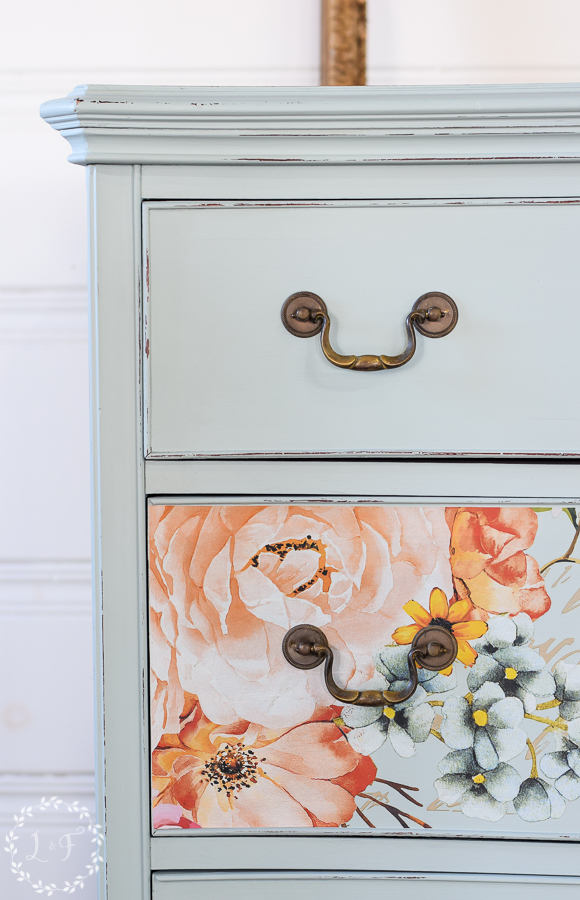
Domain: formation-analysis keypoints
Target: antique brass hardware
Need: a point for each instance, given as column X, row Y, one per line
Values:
column 433, row 648
column 434, row 314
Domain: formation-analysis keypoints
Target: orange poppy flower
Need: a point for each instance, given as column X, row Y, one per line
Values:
column 455, row 618
column 246, row 776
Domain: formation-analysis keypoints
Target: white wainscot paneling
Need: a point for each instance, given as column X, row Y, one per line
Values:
column 44, row 476
column 43, row 836
column 43, row 215
column 481, row 42
column 195, row 42
column 46, row 703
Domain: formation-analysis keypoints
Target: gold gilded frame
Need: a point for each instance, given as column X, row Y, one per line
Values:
column 343, row 58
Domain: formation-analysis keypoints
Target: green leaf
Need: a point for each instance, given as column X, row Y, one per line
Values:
column 542, row 508
column 571, row 513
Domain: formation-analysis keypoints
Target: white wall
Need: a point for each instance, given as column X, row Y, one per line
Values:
column 473, row 41
column 45, row 50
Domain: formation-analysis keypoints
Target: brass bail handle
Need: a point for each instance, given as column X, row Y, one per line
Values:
column 434, row 314
column 433, row 648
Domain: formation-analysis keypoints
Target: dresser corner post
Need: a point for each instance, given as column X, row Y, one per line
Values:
column 118, row 500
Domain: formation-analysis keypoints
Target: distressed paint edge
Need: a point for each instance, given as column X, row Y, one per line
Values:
column 319, row 126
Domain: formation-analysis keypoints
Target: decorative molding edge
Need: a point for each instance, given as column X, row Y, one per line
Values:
column 30, row 82
column 45, row 587
column 319, row 125
column 476, row 74
column 22, row 789
column 59, row 571
column 43, row 314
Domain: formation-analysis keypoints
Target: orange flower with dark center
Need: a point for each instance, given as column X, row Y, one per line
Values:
column 455, row 618
column 247, row 776
column 281, row 549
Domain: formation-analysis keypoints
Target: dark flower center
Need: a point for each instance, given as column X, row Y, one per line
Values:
column 232, row 768
column 282, row 548
column 443, row 623
column 230, row 764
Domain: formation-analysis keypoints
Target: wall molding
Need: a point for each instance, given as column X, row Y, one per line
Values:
column 18, row 85
column 34, row 81
column 32, row 587
column 46, row 313
column 77, row 571
column 472, row 74
column 27, row 789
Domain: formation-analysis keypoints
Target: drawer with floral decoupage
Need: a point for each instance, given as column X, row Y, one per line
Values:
column 364, row 666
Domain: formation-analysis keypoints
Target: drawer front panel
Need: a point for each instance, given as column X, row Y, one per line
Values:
column 329, row 886
column 224, row 377
column 242, row 740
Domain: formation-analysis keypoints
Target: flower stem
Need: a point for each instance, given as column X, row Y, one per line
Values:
column 532, row 749
column 401, row 789
column 549, row 705
column 414, row 819
column 364, row 818
column 562, row 727
column 570, row 549
column 557, row 560
column 567, row 556
column 397, row 813
column 437, row 734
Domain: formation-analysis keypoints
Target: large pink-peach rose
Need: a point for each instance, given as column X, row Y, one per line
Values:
column 246, row 776
column 228, row 582
column 489, row 564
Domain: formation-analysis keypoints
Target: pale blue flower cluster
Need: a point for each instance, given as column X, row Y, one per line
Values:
column 483, row 730
column 563, row 765
column 405, row 724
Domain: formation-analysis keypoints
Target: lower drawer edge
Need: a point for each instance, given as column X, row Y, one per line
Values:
column 284, row 885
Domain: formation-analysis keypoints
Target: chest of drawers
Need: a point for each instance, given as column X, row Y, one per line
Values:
column 368, row 481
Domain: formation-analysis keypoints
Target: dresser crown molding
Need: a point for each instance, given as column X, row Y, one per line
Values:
column 160, row 125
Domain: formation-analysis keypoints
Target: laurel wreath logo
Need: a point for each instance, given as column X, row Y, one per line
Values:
column 27, row 812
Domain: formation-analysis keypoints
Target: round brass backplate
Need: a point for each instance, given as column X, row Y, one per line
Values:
column 298, row 314
column 436, row 325
column 298, row 644
column 445, row 640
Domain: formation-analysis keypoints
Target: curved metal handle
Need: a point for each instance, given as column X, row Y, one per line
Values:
column 433, row 648
column 433, row 315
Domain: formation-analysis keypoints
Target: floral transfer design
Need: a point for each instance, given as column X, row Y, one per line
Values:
column 489, row 564
column 486, row 722
column 505, row 658
column 483, row 793
column 251, row 777
column 240, row 740
column 455, row 618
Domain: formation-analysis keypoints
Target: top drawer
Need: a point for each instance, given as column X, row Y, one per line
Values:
column 224, row 378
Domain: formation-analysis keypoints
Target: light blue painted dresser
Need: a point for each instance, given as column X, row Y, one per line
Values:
column 337, row 586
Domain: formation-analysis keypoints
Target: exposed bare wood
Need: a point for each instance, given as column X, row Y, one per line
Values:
column 343, row 59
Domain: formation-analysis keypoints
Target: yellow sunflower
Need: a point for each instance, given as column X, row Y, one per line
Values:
column 455, row 618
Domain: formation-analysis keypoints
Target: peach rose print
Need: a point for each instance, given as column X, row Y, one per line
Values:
column 228, row 582
column 245, row 776
column 488, row 561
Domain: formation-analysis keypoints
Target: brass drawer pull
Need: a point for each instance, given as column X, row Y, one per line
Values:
column 433, row 315
column 433, row 648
